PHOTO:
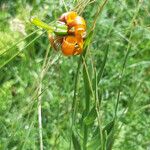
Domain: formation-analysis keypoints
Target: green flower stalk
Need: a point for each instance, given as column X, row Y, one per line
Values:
column 58, row 27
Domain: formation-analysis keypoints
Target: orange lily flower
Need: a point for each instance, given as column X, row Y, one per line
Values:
column 71, row 45
column 76, row 24
column 68, row 17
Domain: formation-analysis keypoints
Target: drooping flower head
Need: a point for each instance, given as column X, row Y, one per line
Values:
column 72, row 43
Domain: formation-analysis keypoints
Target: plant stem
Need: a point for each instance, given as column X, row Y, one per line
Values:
column 59, row 28
column 40, row 115
column 41, row 24
column 40, row 99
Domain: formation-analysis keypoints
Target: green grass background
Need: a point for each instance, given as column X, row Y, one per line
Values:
column 99, row 100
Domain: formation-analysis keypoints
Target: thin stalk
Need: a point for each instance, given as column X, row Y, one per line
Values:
column 126, row 57
column 124, row 67
column 98, row 12
column 87, row 105
column 74, row 103
column 99, row 118
column 65, row 6
column 42, row 24
column 40, row 109
column 6, row 62
column 90, row 83
column 58, row 28
column 46, row 64
column 9, row 48
column 40, row 117
column 40, row 99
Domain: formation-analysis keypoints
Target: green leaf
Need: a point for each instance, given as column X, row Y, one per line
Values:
column 89, row 119
column 76, row 143
column 86, row 87
column 94, row 144
column 100, row 73
column 109, row 133
column 108, row 128
column 110, row 140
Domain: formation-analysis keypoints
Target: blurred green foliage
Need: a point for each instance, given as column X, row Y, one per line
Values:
column 122, row 26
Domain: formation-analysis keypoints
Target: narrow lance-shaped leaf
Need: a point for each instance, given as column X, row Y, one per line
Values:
column 109, row 127
column 89, row 119
column 100, row 73
column 76, row 143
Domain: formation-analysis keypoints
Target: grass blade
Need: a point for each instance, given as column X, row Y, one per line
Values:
column 17, row 53
column 76, row 143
